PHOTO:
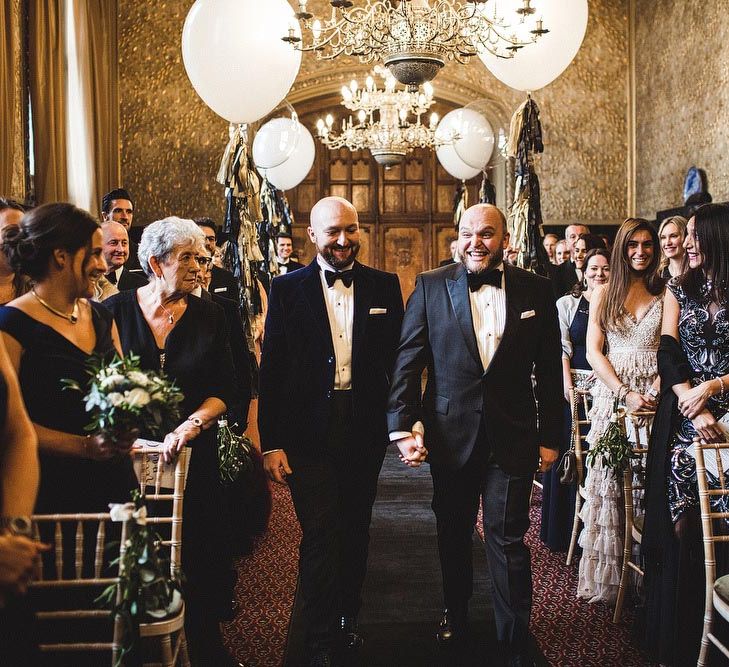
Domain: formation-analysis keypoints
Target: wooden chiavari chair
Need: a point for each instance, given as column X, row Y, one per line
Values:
column 77, row 579
column 580, row 401
column 717, row 589
column 633, row 487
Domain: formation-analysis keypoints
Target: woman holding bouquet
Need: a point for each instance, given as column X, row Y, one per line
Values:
column 172, row 330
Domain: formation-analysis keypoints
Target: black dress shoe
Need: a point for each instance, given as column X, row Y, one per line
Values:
column 453, row 627
column 521, row 660
column 324, row 658
column 351, row 639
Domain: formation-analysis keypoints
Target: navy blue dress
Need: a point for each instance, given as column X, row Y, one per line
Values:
column 558, row 500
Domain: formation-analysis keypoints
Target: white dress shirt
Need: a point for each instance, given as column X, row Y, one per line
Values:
column 488, row 310
column 339, row 301
column 283, row 268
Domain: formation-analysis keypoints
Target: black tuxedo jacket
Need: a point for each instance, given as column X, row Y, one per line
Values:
column 131, row 279
column 223, row 283
column 297, row 361
column 564, row 278
column 291, row 265
column 438, row 333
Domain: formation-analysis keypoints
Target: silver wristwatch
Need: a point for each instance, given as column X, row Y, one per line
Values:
column 196, row 421
column 16, row 525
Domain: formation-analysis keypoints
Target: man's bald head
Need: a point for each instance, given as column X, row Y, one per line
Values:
column 115, row 244
column 334, row 229
column 485, row 212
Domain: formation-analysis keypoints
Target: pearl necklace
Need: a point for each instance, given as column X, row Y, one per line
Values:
column 72, row 318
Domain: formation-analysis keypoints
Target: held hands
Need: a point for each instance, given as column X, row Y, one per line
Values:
column 693, row 401
column 18, row 556
column 412, row 449
column 547, row 458
column 102, row 446
column 636, row 402
column 707, row 428
column 276, row 465
column 175, row 441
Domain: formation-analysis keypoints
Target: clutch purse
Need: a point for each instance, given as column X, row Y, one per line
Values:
column 567, row 468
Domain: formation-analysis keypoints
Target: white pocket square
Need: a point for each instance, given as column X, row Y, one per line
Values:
column 527, row 314
column 378, row 311
column 220, row 289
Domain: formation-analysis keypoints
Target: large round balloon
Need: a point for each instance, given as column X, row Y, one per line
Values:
column 456, row 167
column 475, row 141
column 275, row 142
column 235, row 58
column 290, row 173
column 538, row 64
column 449, row 133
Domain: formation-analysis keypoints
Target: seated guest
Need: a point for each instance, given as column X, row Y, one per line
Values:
column 550, row 244
column 116, row 254
column 12, row 284
column 558, row 502
column 18, row 551
column 561, row 252
column 566, row 274
column 222, row 281
column 187, row 338
column 284, row 248
column 672, row 233
column 118, row 206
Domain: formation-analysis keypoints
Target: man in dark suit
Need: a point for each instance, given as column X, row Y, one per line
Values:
column 452, row 259
column 565, row 276
column 284, row 248
column 483, row 329
column 331, row 333
column 116, row 253
column 118, row 206
column 222, row 281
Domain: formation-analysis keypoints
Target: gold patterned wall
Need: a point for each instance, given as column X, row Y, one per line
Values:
column 171, row 142
column 682, row 99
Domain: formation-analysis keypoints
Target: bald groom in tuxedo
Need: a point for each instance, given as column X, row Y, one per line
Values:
column 488, row 334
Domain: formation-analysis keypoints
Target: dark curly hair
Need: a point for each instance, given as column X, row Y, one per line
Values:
column 29, row 246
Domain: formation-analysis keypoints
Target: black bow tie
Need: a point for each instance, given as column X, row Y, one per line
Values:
column 477, row 280
column 347, row 277
column 111, row 277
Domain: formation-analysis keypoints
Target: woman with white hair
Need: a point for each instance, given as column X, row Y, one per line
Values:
column 173, row 330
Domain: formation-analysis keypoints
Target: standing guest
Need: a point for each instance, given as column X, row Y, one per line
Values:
column 118, row 206
column 483, row 329
column 12, row 285
column 567, row 275
column 693, row 362
column 222, row 282
column 606, row 240
column 330, row 339
column 583, row 245
column 284, row 248
column 454, row 250
column 18, row 551
column 561, row 252
column 672, row 233
column 558, row 500
column 116, row 254
column 550, row 244
column 186, row 337
column 622, row 343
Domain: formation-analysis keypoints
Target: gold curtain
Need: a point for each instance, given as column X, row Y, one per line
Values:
column 48, row 98
column 12, row 136
column 98, row 23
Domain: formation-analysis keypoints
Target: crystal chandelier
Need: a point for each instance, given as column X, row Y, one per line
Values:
column 415, row 38
column 389, row 121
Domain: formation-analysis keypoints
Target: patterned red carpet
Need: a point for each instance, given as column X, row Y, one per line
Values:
column 570, row 632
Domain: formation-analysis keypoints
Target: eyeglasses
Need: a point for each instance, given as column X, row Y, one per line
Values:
column 200, row 259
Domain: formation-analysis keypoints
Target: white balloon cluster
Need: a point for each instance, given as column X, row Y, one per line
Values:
column 468, row 142
column 538, row 64
column 235, row 58
column 284, row 152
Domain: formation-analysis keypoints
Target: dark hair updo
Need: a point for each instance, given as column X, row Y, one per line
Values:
column 29, row 246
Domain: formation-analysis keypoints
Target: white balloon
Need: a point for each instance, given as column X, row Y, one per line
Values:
column 456, row 167
column 235, row 58
column 476, row 138
column 275, row 142
column 538, row 64
column 290, row 173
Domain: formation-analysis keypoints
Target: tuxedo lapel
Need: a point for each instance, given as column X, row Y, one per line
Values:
column 312, row 291
column 458, row 293
column 363, row 296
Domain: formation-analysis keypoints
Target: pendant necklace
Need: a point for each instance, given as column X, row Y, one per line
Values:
column 170, row 316
column 72, row 318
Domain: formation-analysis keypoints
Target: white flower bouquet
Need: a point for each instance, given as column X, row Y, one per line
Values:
column 121, row 397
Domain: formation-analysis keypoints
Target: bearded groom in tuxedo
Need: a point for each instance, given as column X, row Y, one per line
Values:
column 490, row 415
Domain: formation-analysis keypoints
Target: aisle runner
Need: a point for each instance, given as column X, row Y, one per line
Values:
column 402, row 596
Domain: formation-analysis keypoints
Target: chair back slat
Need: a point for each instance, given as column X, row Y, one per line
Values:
column 79, row 548
column 58, row 539
column 100, row 548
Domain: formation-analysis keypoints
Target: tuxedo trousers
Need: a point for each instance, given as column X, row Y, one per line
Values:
column 505, row 501
column 333, row 492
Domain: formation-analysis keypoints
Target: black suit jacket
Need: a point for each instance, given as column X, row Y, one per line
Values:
column 297, row 362
column 223, row 283
column 291, row 265
column 438, row 333
column 564, row 278
column 131, row 279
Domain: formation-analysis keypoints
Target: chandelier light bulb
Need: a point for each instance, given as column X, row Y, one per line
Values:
column 346, row 94
column 330, row 120
column 319, row 125
column 370, row 83
column 316, row 30
column 428, row 89
column 353, row 86
column 434, row 120
column 361, row 115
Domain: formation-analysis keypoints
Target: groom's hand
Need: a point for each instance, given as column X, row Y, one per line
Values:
column 412, row 449
column 547, row 458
